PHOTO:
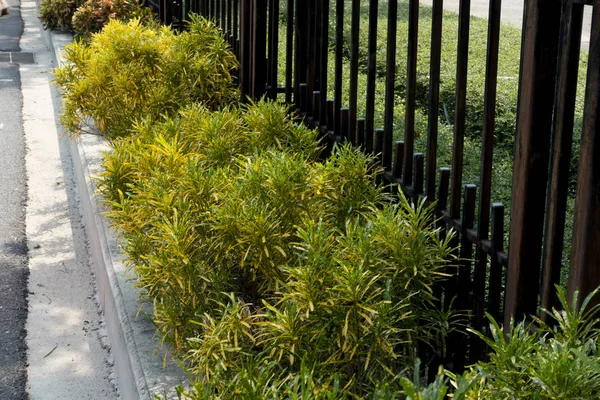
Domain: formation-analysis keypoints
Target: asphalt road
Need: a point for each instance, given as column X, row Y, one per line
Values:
column 13, row 195
column 11, row 28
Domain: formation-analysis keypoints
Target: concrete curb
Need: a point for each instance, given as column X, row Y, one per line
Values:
column 138, row 358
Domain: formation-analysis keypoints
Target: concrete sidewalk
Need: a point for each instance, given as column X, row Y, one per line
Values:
column 138, row 356
column 75, row 352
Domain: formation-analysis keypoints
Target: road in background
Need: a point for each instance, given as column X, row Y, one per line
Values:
column 13, row 196
column 512, row 13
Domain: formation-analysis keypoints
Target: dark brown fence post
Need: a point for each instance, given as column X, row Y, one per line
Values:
column 301, row 29
column 245, row 41
column 253, row 69
column 459, row 107
column 585, row 258
column 273, row 47
column 259, row 49
column 560, row 163
column 353, row 95
column 339, row 55
column 390, row 85
column 532, row 142
column 434, row 97
column 485, row 193
column 167, row 14
column 411, row 88
column 371, row 81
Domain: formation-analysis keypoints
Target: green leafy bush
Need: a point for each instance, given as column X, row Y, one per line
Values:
column 58, row 13
column 92, row 15
column 130, row 72
column 180, row 176
column 531, row 361
column 272, row 272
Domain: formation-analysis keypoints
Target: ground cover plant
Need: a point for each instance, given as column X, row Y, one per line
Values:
column 130, row 72
column 274, row 273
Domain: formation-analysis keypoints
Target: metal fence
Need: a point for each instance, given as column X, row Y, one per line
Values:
column 503, row 283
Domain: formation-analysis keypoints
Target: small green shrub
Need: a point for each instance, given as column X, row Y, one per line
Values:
column 531, row 361
column 58, row 13
column 129, row 73
column 271, row 272
column 175, row 178
column 92, row 15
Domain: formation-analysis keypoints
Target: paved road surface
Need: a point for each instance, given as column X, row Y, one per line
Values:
column 13, row 196
column 512, row 13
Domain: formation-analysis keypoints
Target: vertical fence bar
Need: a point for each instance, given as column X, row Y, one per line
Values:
column 313, row 78
column 168, row 13
column 223, row 16
column 379, row 135
column 161, row 11
column 245, row 40
column 187, row 9
column 330, row 115
column 560, row 161
column 316, row 108
column 301, row 100
column 236, row 19
column 289, row 51
column 344, row 123
column 442, row 191
column 259, row 48
column 360, row 132
column 229, row 27
column 273, row 47
column 463, row 288
column 390, row 81
column 459, row 111
column 399, row 160
column 532, row 142
column 487, row 153
column 269, row 44
column 418, row 168
column 324, row 47
column 411, row 88
column 353, row 95
column 434, row 97
column 339, row 55
column 466, row 248
column 372, row 75
column 585, row 258
column 218, row 6
column 442, row 200
column 497, row 244
column 301, row 29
